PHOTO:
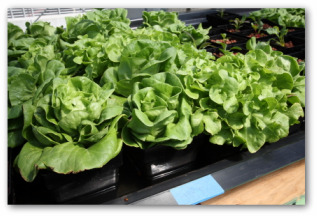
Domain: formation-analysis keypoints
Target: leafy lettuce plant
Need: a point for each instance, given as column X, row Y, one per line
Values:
column 253, row 98
column 139, row 59
column 160, row 114
column 288, row 17
column 168, row 21
column 106, row 22
column 32, row 62
column 86, row 57
column 72, row 128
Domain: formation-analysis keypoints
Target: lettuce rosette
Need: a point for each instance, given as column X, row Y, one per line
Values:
column 169, row 21
column 140, row 58
column 32, row 62
column 105, row 22
column 72, row 128
column 160, row 114
column 253, row 98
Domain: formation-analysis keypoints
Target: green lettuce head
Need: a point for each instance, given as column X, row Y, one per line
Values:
column 71, row 129
column 169, row 21
column 253, row 99
column 160, row 114
column 139, row 59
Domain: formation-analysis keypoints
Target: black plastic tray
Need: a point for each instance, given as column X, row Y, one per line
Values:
column 91, row 186
column 229, row 170
column 159, row 162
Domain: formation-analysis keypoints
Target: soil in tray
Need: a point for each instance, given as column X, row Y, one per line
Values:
column 288, row 44
column 231, row 40
column 226, row 41
column 217, row 53
column 266, row 26
column 231, row 29
column 257, row 35
column 247, row 34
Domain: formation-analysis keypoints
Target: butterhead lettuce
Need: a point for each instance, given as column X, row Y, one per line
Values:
column 70, row 129
column 160, row 114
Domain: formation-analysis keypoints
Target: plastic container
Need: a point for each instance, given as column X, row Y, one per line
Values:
column 211, row 153
column 159, row 162
column 83, row 187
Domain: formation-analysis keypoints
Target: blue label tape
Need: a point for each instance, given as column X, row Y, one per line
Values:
column 197, row 191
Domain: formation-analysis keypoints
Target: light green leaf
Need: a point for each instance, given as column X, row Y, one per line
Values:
column 212, row 123
column 27, row 161
column 72, row 158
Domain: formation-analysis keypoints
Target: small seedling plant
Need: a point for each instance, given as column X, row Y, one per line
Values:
column 280, row 33
column 257, row 25
column 221, row 12
column 238, row 23
column 225, row 49
column 224, row 39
